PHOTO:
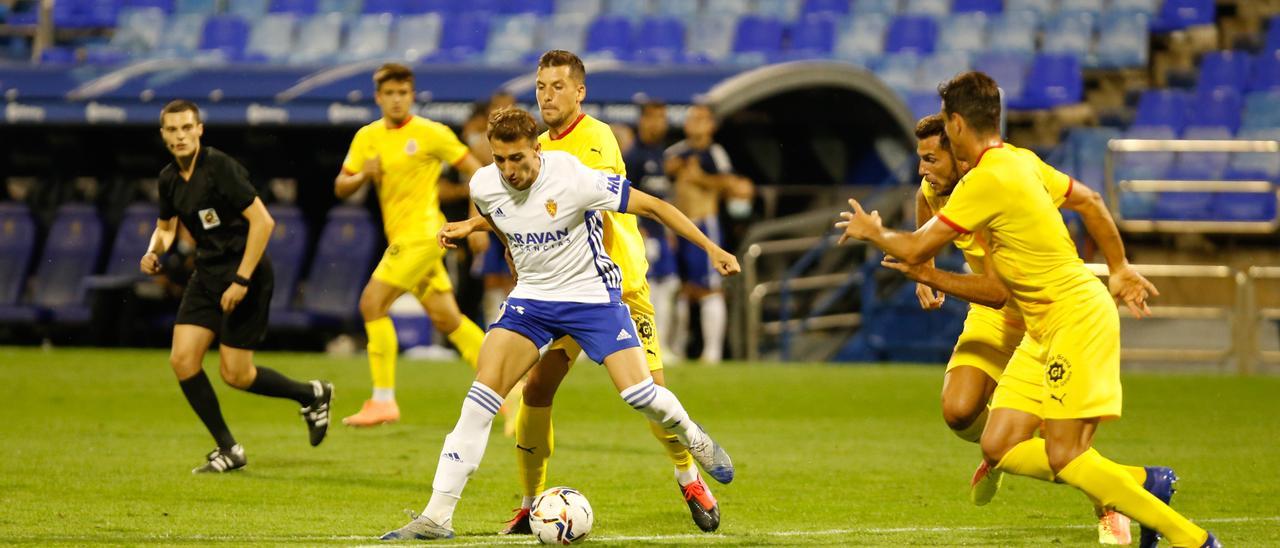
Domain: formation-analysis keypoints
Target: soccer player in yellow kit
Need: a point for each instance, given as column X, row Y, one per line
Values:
column 402, row 155
column 1069, row 314
column 561, row 88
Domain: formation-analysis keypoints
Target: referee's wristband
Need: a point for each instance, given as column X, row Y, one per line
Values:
column 238, row 279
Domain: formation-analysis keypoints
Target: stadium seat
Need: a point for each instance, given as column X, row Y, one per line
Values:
column 1123, row 41
column 1163, row 107
column 1145, row 7
column 1069, row 33
column 758, row 40
column 342, row 263
column 1224, row 70
column 416, row 36
column 1266, row 72
column 70, row 254
column 1272, row 42
column 1054, row 80
column 885, row 8
column 133, row 234
column 181, row 36
column 813, row 37
column 923, row 103
column 898, row 71
column 932, row 8
column 271, row 39
column 1180, row 14
column 512, row 39
column 684, row 10
column 1255, row 166
column 829, row 7
column 1202, row 166
column 17, row 245
column 1262, row 110
column 1220, row 107
column 580, row 8
column 248, row 9
column 296, row 7
column 609, row 36
column 911, row 34
column 566, row 31
column 1244, row 206
column 484, row 7
column 535, row 7
column 660, row 40
column 319, row 38
column 1013, row 32
column 464, row 38
column 139, row 30
column 1145, row 165
column 1041, row 8
column 861, row 38
column 1088, row 149
column 940, row 67
column 287, row 249
column 964, row 32
column 163, row 5
column 713, row 42
column 1092, row 7
column 368, row 38
column 630, row 9
column 1008, row 69
column 782, row 10
column 345, row 7
column 226, row 35
column 394, row 7
column 989, row 7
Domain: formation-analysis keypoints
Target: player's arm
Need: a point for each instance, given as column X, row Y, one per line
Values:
column 260, row 226
column 161, row 239
column 929, row 299
column 639, row 203
column 984, row 289
column 911, row 247
column 1125, row 282
column 348, row 182
column 502, row 237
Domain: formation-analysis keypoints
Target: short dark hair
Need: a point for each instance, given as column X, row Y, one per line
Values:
column 179, row 105
column 932, row 125
column 562, row 58
column 975, row 97
column 392, row 72
column 652, row 104
column 510, row 124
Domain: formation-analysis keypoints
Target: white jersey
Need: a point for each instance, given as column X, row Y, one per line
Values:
column 554, row 229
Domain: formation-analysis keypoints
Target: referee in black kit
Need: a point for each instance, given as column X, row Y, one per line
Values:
column 230, row 292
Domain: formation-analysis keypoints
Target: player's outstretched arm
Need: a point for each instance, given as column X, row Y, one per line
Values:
column 911, row 247
column 346, row 184
column 984, row 289
column 459, row 230
column 161, row 238
column 639, row 203
column 1125, row 283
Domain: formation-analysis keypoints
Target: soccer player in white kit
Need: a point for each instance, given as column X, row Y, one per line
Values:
column 545, row 207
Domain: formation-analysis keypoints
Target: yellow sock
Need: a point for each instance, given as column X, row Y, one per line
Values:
column 1114, row 486
column 534, row 444
column 1027, row 459
column 467, row 339
column 974, row 432
column 382, row 350
column 1139, row 473
column 678, row 453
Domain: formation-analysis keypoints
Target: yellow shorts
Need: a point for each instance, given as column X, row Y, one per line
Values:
column 1022, row 386
column 416, row 267
column 988, row 340
column 638, row 302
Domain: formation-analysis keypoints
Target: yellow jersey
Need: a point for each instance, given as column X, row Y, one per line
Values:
column 411, row 157
column 1012, row 197
column 592, row 142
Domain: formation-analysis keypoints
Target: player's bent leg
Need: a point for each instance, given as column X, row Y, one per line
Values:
column 186, row 357
column 1008, row 445
column 535, row 435
column 466, row 336
column 966, row 391
column 383, row 347
column 313, row 396
column 504, row 357
column 703, row 506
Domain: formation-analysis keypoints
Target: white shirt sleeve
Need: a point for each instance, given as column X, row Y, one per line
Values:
column 602, row 191
column 478, row 194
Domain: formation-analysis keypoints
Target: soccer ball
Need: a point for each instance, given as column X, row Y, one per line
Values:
column 561, row 515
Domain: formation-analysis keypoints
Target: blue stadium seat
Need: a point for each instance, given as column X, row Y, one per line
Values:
column 535, row 7
column 1244, row 206
column 1042, row 8
column 342, row 263
column 830, row 7
column 898, row 71
column 964, row 32
column 319, row 38
column 1088, row 149
column 1272, row 42
column 1013, row 32
column 713, row 42
column 886, row 8
column 861, row 38
column 660, row 40
column 70, row 254
column 1008, row 69
column 417, row 36
column 813, row 37
column 923, row 103
column 1145, row 165
column 1163, row 107
column 1093, row 7
column 248, row 9
column 1069, row 33
column 758, row 39
column 288, row 250
column 17, row 245
column 226, row 35
column 940, row 67
column 512, row 39
column 271, row 39
column 1123, row 41
column 58, row 55
column 1180, row 14
column 134, row 233
column 1224, row 70
column 631, row 9
column 394, row 7
column 419, row 7
column 1255, row 166
column 368, row 38
column 1202, row 166
column 296, row 7
column 566, row 31
column 1054, row 80
column 911, row 34
column 989, row 7
column 486, row 7
column 683, row 10
column 610, row 36
column 782, row 10
column 582, row 8
column 163, row 5
column 345, row 7
column 1262, row 110
column 1145, row 7
column 181, row 36
column 139, row 30
column 1266, row 72
column 932, row 8
column 1220, row 107
column 464, row 38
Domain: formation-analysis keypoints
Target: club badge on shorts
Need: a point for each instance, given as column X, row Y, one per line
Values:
column 551, row 207
column 209, row 218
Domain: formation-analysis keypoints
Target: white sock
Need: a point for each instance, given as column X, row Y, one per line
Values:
column 685, row 477
column 384, row 394
column 680, row 331
column 463, row 449
column 714, row 316
column 526, row 502
column 661, row 406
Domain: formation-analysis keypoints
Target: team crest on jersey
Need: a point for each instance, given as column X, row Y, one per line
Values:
column 209, row 218
column 1057, row 372
column 411, row 146
column 551, row 208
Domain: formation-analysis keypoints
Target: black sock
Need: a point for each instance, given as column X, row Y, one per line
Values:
column 204, row 401
column 270, row 382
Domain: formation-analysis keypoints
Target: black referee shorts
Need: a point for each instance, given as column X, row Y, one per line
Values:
column 246, row 325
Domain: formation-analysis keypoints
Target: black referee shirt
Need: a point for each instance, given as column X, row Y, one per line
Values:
column 210, row 206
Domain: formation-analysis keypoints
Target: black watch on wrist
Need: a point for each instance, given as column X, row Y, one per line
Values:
column 238, row 279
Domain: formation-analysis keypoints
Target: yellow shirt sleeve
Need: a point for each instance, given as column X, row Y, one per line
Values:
column 356, row 155
column 1058, row 184
column 445, row 145
column 974, row 203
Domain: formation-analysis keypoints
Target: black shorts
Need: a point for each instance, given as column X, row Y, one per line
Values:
column 244, row 327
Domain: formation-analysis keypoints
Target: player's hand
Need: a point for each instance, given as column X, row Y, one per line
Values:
column 232, row 297
column 1132, row 289
column 930, row 299
column 725, row 262
column 150, row 264
column 373, row 169
column 453, row 231
column 858, row 224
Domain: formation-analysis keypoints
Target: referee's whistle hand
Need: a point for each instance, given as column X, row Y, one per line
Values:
column 150, row 264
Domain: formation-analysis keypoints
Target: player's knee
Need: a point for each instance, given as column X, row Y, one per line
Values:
column 444, row 319
column 961, row 412
column 184, row 364
column 372, row 307
column 235, row 377
column 1061, row 454
column 995, row 446
column 537, row 393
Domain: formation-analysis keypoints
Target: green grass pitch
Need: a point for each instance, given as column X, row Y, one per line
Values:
column 96, row 448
